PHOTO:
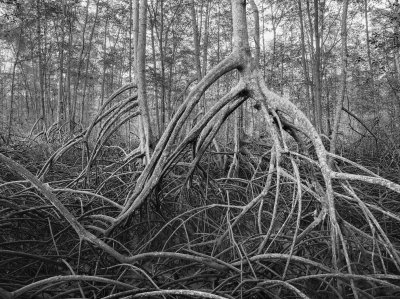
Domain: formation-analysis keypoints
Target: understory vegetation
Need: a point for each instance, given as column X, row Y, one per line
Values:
column 261, row 233
column 205, row 202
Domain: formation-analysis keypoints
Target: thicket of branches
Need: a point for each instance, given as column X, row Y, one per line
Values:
column 189, row 216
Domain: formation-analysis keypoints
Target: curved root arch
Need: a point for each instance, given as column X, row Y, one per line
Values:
column 114, row 113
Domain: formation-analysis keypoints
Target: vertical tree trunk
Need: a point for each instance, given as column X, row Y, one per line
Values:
column 205, row 48
column 342, row 88
column 103, row 81
column 130, row 42
column 130, row 58
column 88, row 62
column 141, row 65
column 312, row 53
column 68, row 83
column 11, row 110
column 367, row 37
column 162, row 62
column 256, row 32
column 157, row 109
column 171, row 76
column 317, row 69
column 136, row 29
column 110, row 85
column 396, row 53
column 41, row 72
column 240, row 43
column 80, row 62
column 264, row 68
column 272, row 70
column 304, row 61
column 206, row 38
column 60, row 100
column 196, row 40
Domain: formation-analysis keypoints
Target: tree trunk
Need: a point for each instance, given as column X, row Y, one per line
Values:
column 205, row 49
column 69, row 104
column 103, row 81
column 343, row 79
column 80, row 62
column 162, row 62
column 41, row 71
column 256, row 31
column 367, row 37
column 141, row 73
column 156, row 103
column 196, row 39
column 11, row 110
column 317, row 69
column 89, row 50
column 312, row 54
column 304, row 62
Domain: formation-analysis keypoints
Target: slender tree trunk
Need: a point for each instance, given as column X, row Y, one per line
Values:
column 342, row 88
column 60, row 100
column 317, row 69
column 206, row 38
column 162, row 62
column 135, row 22
column 34, row 95
column 103, row 81
column 272, row 71
column 256, row 31
column 264, row 68
column 87, row 63
column 41, row 72
column 141, row 70
column 397, row 55
column 157, row 109
column 196, row 40
column 171, row 76
column 240, row 43
column 68, row 83
column 130, row 59
column 80, row 62
column 367, row 37
column 397, row 38
column 205, row 48
column 304, row 61
column 11, row 110
column 110, row 85
column 312, row 53
column 142, row 97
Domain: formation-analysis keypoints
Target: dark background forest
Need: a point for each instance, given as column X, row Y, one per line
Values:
column 199, row 149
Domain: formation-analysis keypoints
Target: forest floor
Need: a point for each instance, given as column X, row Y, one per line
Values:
column 203, row 235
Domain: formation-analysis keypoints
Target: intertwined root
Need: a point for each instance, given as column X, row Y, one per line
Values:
column 272, row 219
column 282, row 221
